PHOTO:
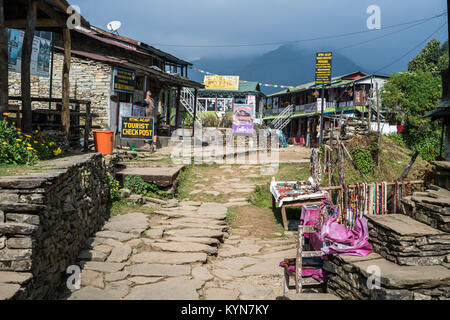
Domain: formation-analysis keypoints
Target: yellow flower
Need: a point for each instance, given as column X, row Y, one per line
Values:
column 5, row 114
column 36, row 142
column 30, row 148
column 28, row 144
column 51, row 144
column 4, row 143
column 26, row 135
column 57, row 152
column 19, row 140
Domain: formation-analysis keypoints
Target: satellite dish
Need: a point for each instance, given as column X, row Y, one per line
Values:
column 113, row 26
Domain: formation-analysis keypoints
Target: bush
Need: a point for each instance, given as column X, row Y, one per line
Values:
column 210, row 119
column 136, row 185
column 113, row 185
column 363, row 160
column 18, row 148
column 227, row 120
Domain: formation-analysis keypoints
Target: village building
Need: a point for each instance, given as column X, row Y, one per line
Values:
column 221, row 98
column 347, row 95
column 97, row 56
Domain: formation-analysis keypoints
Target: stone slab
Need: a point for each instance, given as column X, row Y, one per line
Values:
column 162, row 176
column 127, row 222
column 8, row 290
column 91, row 293
column 403, row 225
column 158, row 270
column 195, row 233
column 106, row 267
column 170, row 289
column 168, row 257
column 184, row 247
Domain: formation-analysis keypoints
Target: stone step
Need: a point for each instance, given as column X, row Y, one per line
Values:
column 162, row 176
column 352, row 277
column 433, row 210
column 405, row 241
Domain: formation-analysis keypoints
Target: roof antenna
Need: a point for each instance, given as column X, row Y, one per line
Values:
column 113, row 26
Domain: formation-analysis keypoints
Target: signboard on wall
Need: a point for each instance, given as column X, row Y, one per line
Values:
column 243, row 117
column 124, row 80
column 135, row 128
column 40, row 54
column 221, row 82
column 323, row 67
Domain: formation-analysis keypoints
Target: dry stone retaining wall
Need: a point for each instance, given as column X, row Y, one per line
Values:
column 46, row 217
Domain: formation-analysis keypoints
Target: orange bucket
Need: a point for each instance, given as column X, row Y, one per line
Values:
column 104, row 141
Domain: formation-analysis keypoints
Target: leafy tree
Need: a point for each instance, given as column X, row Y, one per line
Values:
column 433, row 58
column 407, row 96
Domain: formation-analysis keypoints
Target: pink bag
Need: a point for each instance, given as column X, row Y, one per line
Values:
column 346, row 242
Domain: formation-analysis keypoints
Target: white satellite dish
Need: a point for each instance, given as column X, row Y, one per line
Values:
column 113, row 26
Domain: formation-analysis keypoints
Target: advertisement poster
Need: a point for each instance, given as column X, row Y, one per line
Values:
column 40, row 56
column 136, row 128
column 222, row 82
column 243, row 116
column 124, row 80
column 323, row 67
column 125, row 110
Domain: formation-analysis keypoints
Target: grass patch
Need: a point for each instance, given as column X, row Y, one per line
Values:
column 15, row 170
column 261, row 198
column 231, row 215
column 122, row 207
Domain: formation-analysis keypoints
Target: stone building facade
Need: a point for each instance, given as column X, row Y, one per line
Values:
column 89, row 80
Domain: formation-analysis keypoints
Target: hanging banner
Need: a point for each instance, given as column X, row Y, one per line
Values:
column 323, row 67
column 124, row 80
column 221, row 82
column 137, row 128
column 40, row 54
column 243, row 116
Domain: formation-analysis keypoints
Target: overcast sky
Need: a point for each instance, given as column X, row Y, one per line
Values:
column 224, row 22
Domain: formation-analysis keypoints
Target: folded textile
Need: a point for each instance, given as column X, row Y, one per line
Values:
column 316, row 274
column 340, row 240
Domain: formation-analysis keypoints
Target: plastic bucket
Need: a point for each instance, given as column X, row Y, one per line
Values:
column 104, row 141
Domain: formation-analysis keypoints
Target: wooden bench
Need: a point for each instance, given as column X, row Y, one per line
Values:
column 299, row 281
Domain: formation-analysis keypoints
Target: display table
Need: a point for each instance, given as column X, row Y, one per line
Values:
column 291, row 194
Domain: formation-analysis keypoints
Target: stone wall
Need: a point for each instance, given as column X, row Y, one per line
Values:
column 46, row 217
column 404, row 241
column 431, row 207
column 348, row 278
column 89, row 80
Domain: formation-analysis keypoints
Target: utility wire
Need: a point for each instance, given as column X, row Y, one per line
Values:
column 362, row 42
column 301, row 40
column 420, row 44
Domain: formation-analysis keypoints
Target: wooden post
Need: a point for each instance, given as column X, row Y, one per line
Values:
column 87, row 127
column 27, row 48
column 177, row 114
column 65, row 113
column 341, row 165
column 3, row 62
column 299, row 261
column 195, row 112
column 379, row 126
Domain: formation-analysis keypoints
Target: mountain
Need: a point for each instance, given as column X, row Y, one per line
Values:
column 286, row 65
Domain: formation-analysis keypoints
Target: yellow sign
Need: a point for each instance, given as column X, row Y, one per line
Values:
column 222, row 82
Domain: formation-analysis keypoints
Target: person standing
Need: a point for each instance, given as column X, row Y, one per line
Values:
column 151, row 110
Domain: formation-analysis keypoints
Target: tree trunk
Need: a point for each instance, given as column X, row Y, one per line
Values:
column 65, row 114
column 3, row 62
column 27, row 48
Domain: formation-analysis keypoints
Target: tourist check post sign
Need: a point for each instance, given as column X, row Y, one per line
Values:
column 137, row 128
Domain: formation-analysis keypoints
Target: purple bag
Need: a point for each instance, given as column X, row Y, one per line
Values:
column 346, row 242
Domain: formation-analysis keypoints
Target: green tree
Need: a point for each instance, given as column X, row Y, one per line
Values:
column 433, row 58
column 407, row 96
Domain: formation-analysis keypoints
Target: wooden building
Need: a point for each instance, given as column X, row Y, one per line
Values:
column 348, row 95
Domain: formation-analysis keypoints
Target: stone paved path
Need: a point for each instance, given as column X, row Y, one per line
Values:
column 183, row 251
